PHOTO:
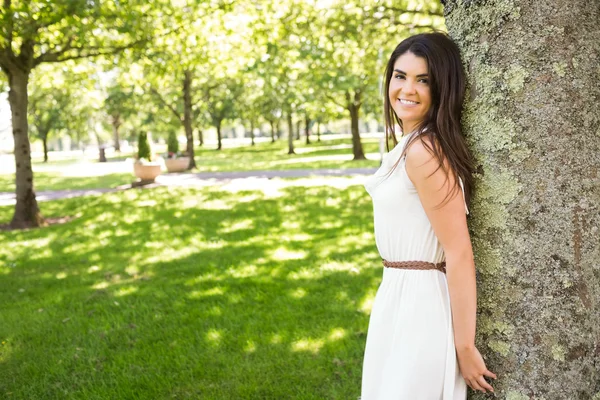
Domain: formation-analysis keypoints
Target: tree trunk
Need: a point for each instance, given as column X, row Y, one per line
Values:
column 200, row 137
column 27, row 213
column 187, row 117
column 354, row 108
column 298, row 123
column 290, row 134
column 279, row 133
column 307, row 128
column 533, row 125
column 252, row 131
column 318, row 131
column 271, row 122
column 116, row 123
column 44, row 137
column 218, row 126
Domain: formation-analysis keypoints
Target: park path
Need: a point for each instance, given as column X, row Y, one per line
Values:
column 200, row 179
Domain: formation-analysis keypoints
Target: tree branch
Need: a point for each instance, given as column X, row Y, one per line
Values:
column 83, row 52
column 164, row 102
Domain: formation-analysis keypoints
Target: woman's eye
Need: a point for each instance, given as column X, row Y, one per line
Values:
column 424, row 81
column 398, row 76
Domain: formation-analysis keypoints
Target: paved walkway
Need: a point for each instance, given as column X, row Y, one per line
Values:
column 198, row 179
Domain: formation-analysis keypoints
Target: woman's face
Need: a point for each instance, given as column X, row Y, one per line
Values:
column 409, row 91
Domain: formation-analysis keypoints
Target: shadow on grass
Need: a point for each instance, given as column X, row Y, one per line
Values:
column 172, row 293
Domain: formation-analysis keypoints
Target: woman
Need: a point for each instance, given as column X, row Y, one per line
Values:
column 421, row 337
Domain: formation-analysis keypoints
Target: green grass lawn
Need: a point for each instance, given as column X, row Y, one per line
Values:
column 190, row 294
column 68, row 173
column 56, row 181
column 335, row 153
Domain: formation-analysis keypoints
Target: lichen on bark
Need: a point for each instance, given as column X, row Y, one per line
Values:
column 533, row 124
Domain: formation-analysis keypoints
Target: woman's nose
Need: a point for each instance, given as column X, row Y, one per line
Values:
column 408, row 87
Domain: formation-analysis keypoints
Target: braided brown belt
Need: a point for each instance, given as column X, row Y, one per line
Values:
column 420, row 265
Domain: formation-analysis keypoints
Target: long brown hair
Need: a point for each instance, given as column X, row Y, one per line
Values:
column 442, row 123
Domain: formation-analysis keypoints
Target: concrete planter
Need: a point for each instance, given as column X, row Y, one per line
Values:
column 178, row 164
column 146, row 172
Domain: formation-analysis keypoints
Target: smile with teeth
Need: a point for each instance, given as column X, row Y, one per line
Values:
column 403, row 101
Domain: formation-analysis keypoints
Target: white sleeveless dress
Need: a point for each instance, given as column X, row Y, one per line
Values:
column 410, row 353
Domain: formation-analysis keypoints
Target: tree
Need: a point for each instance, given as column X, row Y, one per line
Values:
column 50, row 105
column 533, row 124
column 35, row 32
column 119, row 107
column 220, row 98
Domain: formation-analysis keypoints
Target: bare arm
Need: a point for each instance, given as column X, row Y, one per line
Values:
column 449, row 223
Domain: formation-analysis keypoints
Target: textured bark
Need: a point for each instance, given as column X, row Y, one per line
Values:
column 533, row 123
column 354, row 103
column 187, row 117
column 27, row 213
column 290, row 134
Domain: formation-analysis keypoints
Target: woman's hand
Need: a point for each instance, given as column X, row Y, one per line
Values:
column 473, row 369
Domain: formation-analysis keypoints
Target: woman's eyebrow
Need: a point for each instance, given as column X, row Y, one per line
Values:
column 404, row 73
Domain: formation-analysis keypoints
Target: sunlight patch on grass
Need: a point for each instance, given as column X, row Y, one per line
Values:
column 305, row 273
column 250, row 346
column 309, row 345
column 366, row 304
column 93, row 268
column 214, row 336
column 216, row 204
column 290, row 225
column 146, row 203
column 245, row 271
column 337, row 334
column 215, row 311
column 100, row 285
column 298, row 293
column 125, row 291
column 276, row 339
column 216, row 291
column 205, row 278
column 61, row 275
column 283, row 254
column 247, row 223
column 334, row 266
column 163, row 254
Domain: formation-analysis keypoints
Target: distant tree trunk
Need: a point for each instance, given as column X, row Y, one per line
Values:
column 252, row 131
column 200, row 137
column 218, row 126
column 187, row 117
column 27, row 213
column 307, row 128
column 116, row 123
column 272, row 124
column 290, row 134
column 44, row 137
column 354, row 103
column 298, row 123
column 279, row 129
column 318, row 131
column 533, row 125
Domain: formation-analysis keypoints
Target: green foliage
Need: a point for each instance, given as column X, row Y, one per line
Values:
column 172, row 143
column 144, row 152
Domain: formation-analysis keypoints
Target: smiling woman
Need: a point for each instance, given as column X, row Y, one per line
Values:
column 420, row 342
